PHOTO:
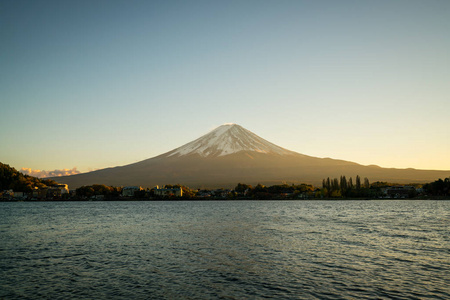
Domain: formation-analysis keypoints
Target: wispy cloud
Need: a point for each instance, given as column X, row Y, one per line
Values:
column 54, row 173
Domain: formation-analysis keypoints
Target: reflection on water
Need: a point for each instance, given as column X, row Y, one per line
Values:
column 233, row 250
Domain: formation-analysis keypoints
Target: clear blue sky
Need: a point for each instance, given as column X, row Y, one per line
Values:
column 95, row 84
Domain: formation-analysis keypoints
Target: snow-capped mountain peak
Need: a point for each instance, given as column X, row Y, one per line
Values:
column 228, row 139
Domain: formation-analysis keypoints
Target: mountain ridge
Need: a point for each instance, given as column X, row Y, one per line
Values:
column 231, row 154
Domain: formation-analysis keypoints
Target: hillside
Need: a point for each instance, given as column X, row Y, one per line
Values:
column 11, row 179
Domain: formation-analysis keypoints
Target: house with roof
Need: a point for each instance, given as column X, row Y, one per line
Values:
column 177, row 192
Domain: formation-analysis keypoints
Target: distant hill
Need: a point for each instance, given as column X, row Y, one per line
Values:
column 11, row 179
column 231, row 154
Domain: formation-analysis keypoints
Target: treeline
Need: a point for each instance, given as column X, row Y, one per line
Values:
column 342, row 187
column 336, row 188
column 98, row 190
column 283, row 191
column 113, row 192
column 438, row 188
column 11, row 179
column 241, row 191
column 346, row 188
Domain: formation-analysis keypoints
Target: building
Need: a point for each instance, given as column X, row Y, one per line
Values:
column 64, row 188
column 129, row 191
column 177, row 192
column 38, row 194
column 57, row 190
column 7, row 194
column 19, row 195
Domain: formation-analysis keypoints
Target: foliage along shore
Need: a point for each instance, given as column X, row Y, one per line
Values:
column 332, row 189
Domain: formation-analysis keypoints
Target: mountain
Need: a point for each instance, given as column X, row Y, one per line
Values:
column 231, row 154
column 228, row 139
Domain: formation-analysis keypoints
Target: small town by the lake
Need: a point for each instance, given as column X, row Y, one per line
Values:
column 16, row 186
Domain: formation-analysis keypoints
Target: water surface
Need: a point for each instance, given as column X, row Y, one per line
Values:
column 230, row 250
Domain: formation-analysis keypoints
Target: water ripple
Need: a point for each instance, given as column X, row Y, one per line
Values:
column 225, row 250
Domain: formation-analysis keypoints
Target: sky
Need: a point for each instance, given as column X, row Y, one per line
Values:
column 86, row 85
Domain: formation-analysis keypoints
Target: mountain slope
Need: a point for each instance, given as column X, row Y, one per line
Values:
column 228, row 139
column 231, row 154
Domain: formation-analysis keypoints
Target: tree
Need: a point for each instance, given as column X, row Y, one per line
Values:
column 358, row 182
column 85, row 191
column 335, row 185
column 242, row 187
column 260, row 188
column 366, row 183
column 439, row 187
column 343, row 184
column 336, row 194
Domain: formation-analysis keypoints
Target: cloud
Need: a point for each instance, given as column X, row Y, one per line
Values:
column 54, row 173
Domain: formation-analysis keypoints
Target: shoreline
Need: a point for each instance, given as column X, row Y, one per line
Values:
column 227, row 200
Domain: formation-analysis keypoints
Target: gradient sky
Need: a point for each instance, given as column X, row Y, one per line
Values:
column 95, row 84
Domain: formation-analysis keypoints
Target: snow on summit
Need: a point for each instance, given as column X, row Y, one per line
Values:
column 228, row 139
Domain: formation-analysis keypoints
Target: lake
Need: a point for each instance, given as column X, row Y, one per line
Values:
column 225, row 250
